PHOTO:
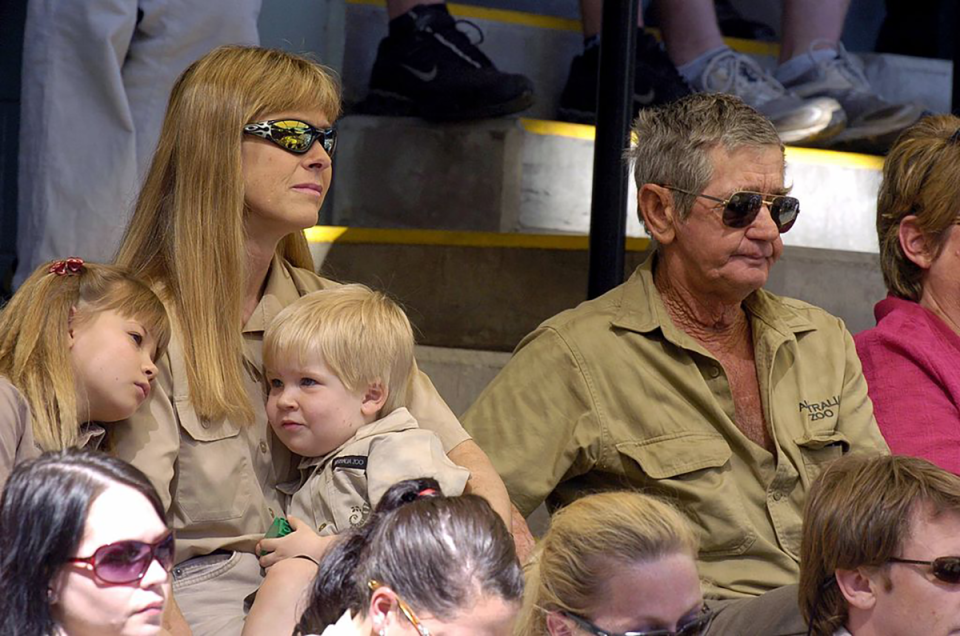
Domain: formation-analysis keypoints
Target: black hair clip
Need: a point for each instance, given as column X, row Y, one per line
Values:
column 955, row 137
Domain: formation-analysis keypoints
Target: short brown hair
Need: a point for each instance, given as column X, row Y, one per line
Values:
column 921, row 177
column 674, row 141
column 857, row 515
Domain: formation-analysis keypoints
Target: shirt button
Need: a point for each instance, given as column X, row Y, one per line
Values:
column 263, row 447
column 204, row 423
column 777, row 496
column 714, row 372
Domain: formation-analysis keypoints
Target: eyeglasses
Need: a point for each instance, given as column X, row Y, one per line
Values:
column 128, row 561
column 946, row 569
column 743, row 207
column 294, row 135
column 695, row 627
column 404, row 609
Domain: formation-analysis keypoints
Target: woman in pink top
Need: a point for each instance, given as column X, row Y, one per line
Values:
column 911, row 359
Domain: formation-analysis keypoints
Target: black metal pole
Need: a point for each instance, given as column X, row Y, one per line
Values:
column 608, row 210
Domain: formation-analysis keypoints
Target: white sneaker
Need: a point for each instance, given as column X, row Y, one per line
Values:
column 797, row 120
column 872, row 122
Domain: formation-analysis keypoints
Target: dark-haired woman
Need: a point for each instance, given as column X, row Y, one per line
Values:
column 84, row 549
column 423, row 564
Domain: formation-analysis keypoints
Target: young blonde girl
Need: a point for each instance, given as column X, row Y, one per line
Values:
column 77, row 344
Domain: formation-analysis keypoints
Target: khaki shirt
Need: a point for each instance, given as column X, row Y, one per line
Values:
column 16, row 433
column 337, row 491
column 612, row 395
column 217, row 479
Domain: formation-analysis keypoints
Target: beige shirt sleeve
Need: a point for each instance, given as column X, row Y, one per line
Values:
column 537, row 420
column 16, row 433
column 432, row 412
column 411, row 454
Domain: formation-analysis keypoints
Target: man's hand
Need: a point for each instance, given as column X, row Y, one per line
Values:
column 303, row 540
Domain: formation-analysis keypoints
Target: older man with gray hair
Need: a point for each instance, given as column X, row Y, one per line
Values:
column 690, row 380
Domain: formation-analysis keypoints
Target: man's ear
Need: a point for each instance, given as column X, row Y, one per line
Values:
column 656, row 207
column 858, row 587
column 557, row 625
column 915, row 245
column 374, row 398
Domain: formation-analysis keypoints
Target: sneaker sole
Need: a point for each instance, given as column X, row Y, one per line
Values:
column 389, row 104
column 816, row 134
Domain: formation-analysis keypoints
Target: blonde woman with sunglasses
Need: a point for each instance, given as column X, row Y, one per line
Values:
column 243, row 165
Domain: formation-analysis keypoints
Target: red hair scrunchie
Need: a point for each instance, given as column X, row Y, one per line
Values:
column 67, row 266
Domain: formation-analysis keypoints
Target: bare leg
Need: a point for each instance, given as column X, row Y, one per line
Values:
column 397, row 8
column 689, row 29
column 281, row 598
column 807, row 20
column 591, row 15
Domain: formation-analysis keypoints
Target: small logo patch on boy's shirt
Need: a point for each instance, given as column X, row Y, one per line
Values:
column 356, row 462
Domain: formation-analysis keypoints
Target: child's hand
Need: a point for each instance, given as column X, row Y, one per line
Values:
column 303, row 540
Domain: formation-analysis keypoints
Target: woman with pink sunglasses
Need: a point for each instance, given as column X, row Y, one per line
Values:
column 84, row 549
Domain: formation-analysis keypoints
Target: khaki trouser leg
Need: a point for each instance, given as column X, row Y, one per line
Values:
column 210, row 591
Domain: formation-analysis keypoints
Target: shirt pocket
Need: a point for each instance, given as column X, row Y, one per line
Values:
column 213, row 475
column 693, row 471
column 819, row 448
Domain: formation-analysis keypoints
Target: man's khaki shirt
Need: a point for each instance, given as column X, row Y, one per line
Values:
column 337, row 491
column 613, row 395
column 217, row 479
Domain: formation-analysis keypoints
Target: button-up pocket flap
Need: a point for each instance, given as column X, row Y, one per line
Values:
column 204, row 430
column 669, row 456
column 820, row 440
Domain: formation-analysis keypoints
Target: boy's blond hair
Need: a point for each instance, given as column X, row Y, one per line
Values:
column 362, row 335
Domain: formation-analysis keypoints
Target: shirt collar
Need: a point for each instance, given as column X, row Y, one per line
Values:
column 280, row 290
column 642, row 309
column 398, row 420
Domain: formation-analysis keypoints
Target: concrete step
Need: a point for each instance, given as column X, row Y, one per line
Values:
column 542, row 46
column 529, row 175
column 485, row 291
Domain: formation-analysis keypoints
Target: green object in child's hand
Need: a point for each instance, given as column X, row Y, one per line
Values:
column 279, row 528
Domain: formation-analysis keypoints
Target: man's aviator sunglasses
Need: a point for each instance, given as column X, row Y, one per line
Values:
column 128, row 561
column 741, row 208
column 695, row 627
column 294, row 135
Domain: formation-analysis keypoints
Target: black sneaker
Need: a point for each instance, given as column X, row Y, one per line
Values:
column 656, row 81
column 429, row 68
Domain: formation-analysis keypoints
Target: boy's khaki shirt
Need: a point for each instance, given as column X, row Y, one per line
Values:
column 217, row 479
column 337, row 491
column 612, row 395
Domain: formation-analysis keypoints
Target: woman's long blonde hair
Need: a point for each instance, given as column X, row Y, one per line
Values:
column 187, row 235
column 34, row 341
column 585, row 540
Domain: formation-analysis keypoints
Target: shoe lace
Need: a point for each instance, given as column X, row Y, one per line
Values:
column 848, row 66
column 454, row 38
column 732, row 72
